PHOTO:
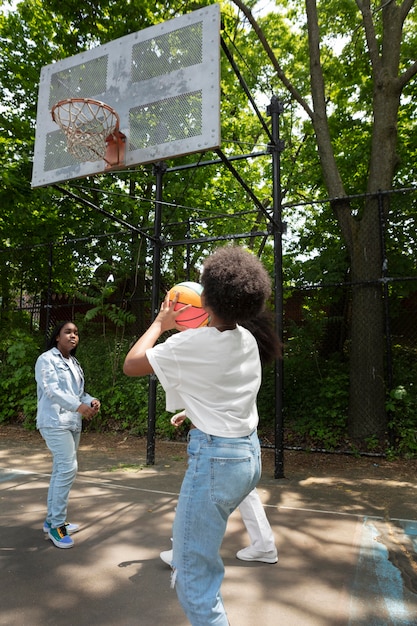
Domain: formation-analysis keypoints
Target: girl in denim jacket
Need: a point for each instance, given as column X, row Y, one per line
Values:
column 62, row 403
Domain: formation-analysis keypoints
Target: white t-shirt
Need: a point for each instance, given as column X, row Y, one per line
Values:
column 74, row 369
column 215, row 376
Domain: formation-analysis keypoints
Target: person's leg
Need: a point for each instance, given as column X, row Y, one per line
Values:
column 220, row 473
column 259, row 530
column 51, row 489
column 63, row 445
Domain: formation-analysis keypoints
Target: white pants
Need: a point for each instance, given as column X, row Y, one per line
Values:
column 254, row 517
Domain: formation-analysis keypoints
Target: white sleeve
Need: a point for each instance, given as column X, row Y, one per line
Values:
column 164, row 364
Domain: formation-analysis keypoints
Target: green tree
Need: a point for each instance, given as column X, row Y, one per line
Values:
column 345, row 71
column 353, row 99
column 59, row 225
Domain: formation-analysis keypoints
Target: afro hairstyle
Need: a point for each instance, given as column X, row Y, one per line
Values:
column 236, row 284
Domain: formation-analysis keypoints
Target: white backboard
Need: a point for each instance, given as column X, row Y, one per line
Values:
column 164, row 82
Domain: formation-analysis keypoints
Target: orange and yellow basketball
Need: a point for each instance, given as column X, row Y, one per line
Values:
column 190, row 293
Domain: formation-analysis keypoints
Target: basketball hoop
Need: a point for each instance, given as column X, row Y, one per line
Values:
column 92, row 130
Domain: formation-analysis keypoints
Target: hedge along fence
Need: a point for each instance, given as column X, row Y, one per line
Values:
column 317, row 316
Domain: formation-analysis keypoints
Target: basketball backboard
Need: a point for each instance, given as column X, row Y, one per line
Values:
column 163, row 82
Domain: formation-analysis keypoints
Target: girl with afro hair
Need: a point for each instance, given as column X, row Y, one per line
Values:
column 214, row 374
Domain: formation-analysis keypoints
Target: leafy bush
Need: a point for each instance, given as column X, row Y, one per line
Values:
column 315, row 391
column 124, row 400
column 18, row 354
column 401, row 404
column 316, row 400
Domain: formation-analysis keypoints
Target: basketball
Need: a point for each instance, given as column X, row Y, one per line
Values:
column 190, row 293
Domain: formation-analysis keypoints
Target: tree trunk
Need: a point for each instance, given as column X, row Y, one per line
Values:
column 362, row 236
column 367, row 415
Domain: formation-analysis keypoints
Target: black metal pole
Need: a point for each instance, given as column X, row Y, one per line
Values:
column 48, row 305
column 275, row 148
column 159, row 170
column 384, row 274
column 385, row 297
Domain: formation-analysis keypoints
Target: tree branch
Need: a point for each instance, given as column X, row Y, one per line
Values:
column 280, row 72
column 365, row 9
column 320, row 120
column 407, row 75
column 405, row 8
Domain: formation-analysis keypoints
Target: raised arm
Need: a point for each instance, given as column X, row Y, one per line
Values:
column 136, row 362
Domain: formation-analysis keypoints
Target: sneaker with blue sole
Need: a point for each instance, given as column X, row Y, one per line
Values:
column 71, row 528
column 59, row 537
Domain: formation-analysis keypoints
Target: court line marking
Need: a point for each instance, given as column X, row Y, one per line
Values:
column 115, row 485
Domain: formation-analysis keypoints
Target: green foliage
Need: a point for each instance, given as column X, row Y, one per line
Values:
column 124, row 400
column 401, row 407
column 315, row 392
column 106, row 310
column 18, row 353
column 266, row 397
column 401, row 404
column 315, row 399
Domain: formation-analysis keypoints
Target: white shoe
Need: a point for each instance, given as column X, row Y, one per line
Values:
column 71, row 528
column 166, row 557
column 250, row 554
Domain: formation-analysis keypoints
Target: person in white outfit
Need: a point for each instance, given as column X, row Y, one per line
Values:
column 262, row 542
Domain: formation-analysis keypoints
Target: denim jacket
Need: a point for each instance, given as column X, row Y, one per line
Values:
column 59, row 392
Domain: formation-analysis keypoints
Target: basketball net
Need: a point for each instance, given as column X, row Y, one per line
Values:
column 91, row 129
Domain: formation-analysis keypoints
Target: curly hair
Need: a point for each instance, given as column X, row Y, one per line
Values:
column 236, row 284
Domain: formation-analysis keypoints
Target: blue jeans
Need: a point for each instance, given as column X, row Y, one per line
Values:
column 63, row 445
column 221, row 472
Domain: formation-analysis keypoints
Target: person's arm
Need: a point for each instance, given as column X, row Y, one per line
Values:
column 136, row 362
column 178, row 419
column 88, row 411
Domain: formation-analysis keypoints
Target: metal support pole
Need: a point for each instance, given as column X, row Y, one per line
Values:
column 385, row 291
column 275, row 148
column 385, row 297
column 48, row 305
column 159, row 170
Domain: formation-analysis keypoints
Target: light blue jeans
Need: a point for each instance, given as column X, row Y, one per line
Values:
column 63, row 445
column 221, row 472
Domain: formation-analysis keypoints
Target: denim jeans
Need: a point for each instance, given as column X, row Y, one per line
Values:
column 221, row 472
column 63, row 445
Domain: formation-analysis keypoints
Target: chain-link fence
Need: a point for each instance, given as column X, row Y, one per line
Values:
column 350, row 344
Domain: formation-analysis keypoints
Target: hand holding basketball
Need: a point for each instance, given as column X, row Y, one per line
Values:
column 168, row 314
column 186, row 298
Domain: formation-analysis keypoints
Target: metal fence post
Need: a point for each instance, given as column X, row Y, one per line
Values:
column 275, row 148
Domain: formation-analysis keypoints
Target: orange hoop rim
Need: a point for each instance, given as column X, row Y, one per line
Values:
column 87, row 101
column 91, row 128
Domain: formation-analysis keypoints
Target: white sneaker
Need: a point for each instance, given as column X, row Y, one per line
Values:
column 71, row 528
column 250, row 554
column 166, row 557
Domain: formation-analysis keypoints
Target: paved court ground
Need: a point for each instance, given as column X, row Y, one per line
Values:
column 346, row 535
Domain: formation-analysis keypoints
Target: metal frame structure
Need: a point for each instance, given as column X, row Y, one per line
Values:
column 160, row 169
column 71, row 72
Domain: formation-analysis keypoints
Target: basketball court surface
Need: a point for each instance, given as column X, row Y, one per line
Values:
column 347, row 545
